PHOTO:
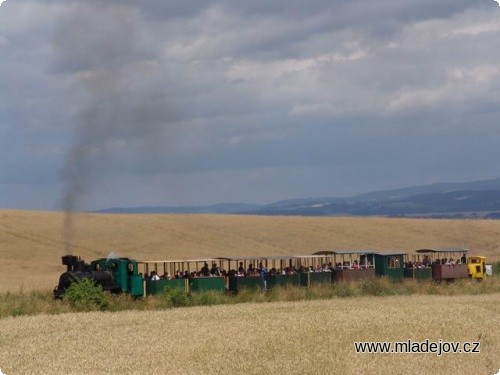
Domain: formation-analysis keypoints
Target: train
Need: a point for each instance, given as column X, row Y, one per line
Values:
column 233, row 274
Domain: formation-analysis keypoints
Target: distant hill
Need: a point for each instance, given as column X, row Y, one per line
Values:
column 476, row 199
column 454, row 204
column 221, row 208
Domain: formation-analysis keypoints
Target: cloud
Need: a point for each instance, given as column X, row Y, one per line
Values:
column 206, row 92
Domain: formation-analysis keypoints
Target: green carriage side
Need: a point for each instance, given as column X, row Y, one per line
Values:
column 390, row 265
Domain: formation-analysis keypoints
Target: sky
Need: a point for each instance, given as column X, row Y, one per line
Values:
column 125, row 103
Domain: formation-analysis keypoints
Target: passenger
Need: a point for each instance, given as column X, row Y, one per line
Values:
column 216, row 271
column 264, row 275
column 355, row 265
column 241, row 269
column 427, row 261
column 154, row 276
column 204, row 270
column 213, row 270
column 250, row 270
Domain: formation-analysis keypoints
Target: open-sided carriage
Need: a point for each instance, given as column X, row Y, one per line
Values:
column 446, row 263
column 189, row 275
column 350, row 265
column 417, row 267
column 283, row 270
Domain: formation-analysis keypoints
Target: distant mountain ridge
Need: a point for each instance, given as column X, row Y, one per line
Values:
column 475, row 199
column 220, row 208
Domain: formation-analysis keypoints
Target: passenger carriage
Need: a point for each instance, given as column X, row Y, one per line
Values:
column 390, row 265
column 351, row 265
column 417, row 267
column 447, row 263
column 178, row 274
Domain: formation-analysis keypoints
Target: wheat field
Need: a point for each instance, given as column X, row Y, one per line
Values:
column 274, row 338
column 31, row 243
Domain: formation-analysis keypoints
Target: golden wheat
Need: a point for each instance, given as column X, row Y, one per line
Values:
column 284, row 338
column 31, row 243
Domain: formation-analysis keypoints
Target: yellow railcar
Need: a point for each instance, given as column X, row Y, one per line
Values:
column 476, row 266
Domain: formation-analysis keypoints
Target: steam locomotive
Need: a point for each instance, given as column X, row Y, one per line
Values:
column 115, row 275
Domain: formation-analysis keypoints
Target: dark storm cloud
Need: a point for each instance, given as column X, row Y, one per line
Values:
column 209, row 98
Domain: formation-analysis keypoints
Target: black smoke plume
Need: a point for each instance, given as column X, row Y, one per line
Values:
column 114, row 85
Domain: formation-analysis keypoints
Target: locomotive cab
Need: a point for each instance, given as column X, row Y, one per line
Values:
column 125, row 274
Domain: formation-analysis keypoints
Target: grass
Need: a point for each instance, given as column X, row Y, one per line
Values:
column 312, row 336
column 18, row 304
column 31, row 242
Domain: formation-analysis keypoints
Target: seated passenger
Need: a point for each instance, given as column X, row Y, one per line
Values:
column 154, row 276
column 204, row 270
column 426, row 261
column 241, row 269
column 215, row 270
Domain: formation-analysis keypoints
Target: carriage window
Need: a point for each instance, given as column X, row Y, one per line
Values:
column 393, row 262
